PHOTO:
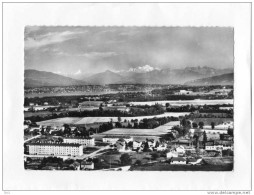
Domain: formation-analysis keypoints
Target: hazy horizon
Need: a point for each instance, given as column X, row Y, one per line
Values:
column 88, row 50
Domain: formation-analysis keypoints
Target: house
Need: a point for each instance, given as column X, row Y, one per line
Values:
column 184, row 92
column 87, row 165
column 180, row 150
column 171, row 154
column 114, row 139
column 178, row 160
column 75, row 165
column 161, row 147
column 120, row 146
column 151, row 143
column 215, row 147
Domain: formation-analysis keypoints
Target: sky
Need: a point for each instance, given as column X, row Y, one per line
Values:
column 85, row 50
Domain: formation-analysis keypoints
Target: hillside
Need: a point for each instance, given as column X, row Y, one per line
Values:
column 107, row 77
column 35, row 78
column 151, row 75
column 224, row 79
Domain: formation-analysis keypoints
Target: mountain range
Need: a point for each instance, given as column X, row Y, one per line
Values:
column 139, row 75
column 35, row 78
column 224, row 79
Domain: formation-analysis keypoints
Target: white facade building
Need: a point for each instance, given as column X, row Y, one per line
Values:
column 114, row 139
column 136, row 144
column 172, row 154
column 85, row 141
column 55, row 149
column 178, row 160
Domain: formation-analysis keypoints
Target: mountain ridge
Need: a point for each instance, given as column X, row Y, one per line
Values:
column 36, row 78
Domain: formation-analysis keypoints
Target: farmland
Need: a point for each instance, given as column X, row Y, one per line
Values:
column 207, row 121
column 93, row 120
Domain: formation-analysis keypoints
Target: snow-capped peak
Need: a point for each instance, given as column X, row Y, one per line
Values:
column 145, row 68
column 78, row 72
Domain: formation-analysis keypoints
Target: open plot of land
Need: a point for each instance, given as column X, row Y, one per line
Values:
column 89, row 150
column 89, row 120
column 134, row 132
column 59, row 121
column 139, row 134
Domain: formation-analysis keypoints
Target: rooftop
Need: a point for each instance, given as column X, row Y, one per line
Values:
column 178, row 159
column 78, row 137
column 54, row 144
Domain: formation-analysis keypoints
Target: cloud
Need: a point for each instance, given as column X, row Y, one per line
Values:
column 49, row 38
column 90, row 55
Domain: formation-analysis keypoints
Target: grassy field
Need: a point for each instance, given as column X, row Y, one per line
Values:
column 207, row 121
column 89, row 150
column 169, row 167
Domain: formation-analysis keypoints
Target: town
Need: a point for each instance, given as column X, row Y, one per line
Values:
column 170, row 128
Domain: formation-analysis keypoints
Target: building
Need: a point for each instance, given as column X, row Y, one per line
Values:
column 180, row 149
column 114, row 139
column 85, row 141
column 136, row 144
column 161, row 147
column 120, row 146
column 151, row 143
column 55, row 149
column 215, row 131
column 178, row 160
column 87, row 165
column 184, row 92
column 215, row 147
column 171, row 154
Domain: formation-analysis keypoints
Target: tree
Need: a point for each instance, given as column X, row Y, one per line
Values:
column 230, row 132
column 212, row 125
column 194, row 125
column 155, row 155
column 183, row 122
column 138, row 162
column 204, row 137
column 201, row 124
column 125, row 159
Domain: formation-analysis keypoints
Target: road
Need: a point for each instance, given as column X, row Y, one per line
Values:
column 32, row 138
column 91, row 154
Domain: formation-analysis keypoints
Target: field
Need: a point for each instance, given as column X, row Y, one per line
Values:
column 207, row 121
column 185, row 102
column 89, row 150
column 40, row 113
column 59, row 121
column 91, row 120
column 138, row 134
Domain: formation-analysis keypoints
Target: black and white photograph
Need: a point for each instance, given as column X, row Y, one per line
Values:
column 127, row 96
